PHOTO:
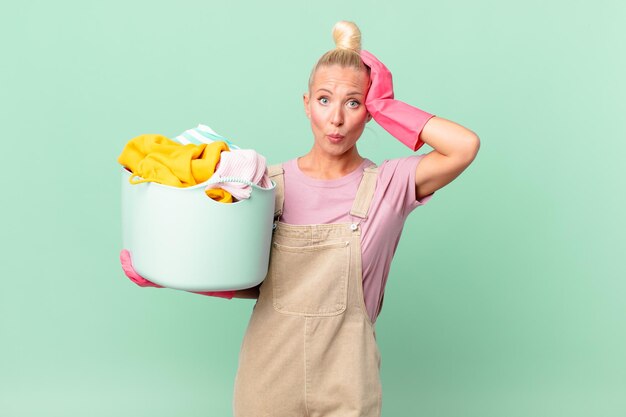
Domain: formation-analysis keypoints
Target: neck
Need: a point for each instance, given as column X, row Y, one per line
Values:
column 328, row 167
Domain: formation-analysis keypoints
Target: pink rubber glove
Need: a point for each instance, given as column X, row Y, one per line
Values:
column 130, row 272
column 401, row 120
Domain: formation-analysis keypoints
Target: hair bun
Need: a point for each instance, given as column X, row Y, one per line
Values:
column 347, row 36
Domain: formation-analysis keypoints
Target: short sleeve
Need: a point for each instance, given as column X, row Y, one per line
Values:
column 414, row 201
column 397, row 177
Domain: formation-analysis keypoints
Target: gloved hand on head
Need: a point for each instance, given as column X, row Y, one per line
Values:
column 130, row 272
column 401, row 120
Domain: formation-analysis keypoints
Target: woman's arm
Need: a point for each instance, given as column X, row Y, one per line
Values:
column 454, row 149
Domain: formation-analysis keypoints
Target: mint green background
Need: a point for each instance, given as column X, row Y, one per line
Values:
column 506, row 297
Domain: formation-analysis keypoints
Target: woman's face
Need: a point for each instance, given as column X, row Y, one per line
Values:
column 336, row 107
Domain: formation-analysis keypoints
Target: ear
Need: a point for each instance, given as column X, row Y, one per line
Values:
column 369, row 117
column 305, row 99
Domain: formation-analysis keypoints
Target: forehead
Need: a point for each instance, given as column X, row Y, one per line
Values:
column 335, row 77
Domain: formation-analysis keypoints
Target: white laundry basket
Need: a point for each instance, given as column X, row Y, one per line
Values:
column 180, row 238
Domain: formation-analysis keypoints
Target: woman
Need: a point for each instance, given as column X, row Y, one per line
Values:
column 310, row 346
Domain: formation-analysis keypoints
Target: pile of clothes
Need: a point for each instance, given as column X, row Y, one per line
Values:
column 199, row 155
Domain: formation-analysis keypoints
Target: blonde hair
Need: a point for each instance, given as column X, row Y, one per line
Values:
column 346, row 54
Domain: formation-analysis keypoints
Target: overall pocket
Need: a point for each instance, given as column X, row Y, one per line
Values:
column 310, row 280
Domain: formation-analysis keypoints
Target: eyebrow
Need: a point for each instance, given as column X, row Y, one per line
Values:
column 351, row 93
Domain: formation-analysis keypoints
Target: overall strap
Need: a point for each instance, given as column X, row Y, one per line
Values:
column 276, row 174
column 364, row 194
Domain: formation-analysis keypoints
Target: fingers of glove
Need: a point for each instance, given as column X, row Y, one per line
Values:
column 223, row 294
column 381, row 79
column 379, row 70
column 130, row 272
column 371, row 61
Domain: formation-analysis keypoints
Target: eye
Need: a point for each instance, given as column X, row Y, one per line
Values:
column 353, row 104
column 323, row 100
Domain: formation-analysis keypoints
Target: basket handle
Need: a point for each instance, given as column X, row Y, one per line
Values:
column 216, row 179
column 132, row 179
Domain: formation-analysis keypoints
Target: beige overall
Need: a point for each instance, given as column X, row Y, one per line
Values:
column 310, row 347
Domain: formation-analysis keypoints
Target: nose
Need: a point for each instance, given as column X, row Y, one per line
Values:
column 336, row 117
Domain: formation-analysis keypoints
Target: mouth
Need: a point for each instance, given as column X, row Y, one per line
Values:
column 335, row 138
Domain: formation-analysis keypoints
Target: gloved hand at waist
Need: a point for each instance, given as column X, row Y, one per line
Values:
column 401, row 120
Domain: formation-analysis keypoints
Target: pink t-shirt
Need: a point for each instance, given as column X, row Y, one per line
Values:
column 314, row 201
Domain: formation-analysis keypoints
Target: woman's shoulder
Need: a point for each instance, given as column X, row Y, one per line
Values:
column 410, row 159
column 278, row 167
column 396, row 181
column 398, row 166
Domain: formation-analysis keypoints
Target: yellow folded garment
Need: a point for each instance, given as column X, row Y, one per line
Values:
column 156, row 158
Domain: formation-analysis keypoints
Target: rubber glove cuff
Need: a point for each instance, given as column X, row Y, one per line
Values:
column 401, row 120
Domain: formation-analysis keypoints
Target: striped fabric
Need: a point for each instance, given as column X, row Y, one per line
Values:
column 202, row 134
column 244, row 164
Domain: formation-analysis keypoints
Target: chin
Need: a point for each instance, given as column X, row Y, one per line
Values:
column 339, row 150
